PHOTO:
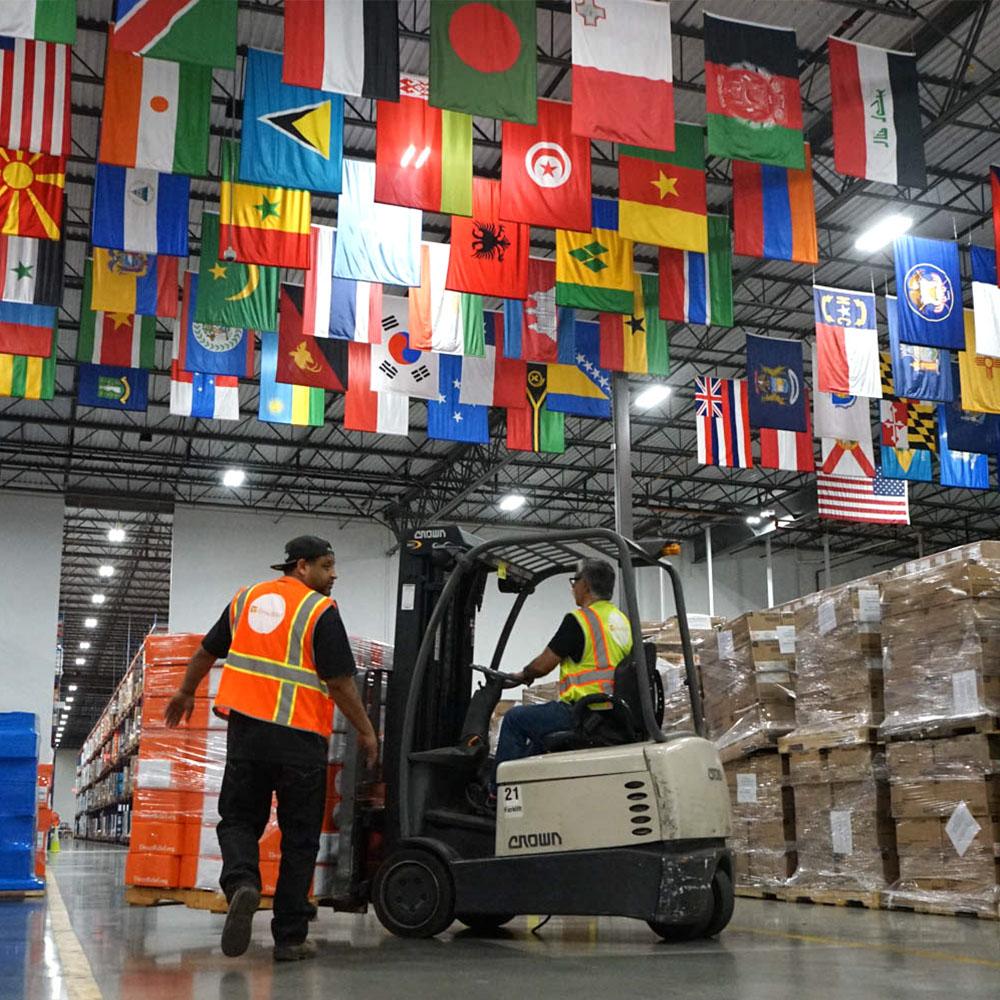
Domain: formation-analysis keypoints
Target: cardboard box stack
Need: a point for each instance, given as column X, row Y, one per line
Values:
column 670, row 663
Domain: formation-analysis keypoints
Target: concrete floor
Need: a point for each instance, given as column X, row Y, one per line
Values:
column 95, row 946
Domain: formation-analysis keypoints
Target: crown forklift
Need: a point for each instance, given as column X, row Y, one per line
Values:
column 615, row 818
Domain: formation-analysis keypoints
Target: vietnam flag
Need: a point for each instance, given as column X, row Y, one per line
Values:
column 262, row 225
column 31, row 194
column 662, row 196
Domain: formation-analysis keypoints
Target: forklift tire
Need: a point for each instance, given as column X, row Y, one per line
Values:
column 413, row 894
column 484, row 923
column 723, row 903
column 675, row 933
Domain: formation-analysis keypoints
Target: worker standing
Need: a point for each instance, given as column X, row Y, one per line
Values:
column 286, row 655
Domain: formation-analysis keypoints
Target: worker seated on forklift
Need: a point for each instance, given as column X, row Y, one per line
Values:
column 589, row 644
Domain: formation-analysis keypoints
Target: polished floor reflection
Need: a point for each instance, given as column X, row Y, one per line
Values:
column 99, row 947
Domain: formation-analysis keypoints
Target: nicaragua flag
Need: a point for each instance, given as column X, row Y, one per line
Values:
column 582, row 388
column 929, row 286
column 917, row 372
column 140, row 210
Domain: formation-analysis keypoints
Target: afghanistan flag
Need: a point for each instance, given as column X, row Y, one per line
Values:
column 483, row 59
column 320, row 362
column 698, row 287
column 752, row 92
column 594, row 270
column 31, row 194
column 48, row 20
column 637, row 343
column 24, row 377
column 113, row 338
column 31, row 270
column 188, row 31
column 662, row 196
column 533, row 427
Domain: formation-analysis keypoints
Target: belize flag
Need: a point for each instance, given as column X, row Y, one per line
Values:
column 929, row 286
column 208, row 348
column 723, row 422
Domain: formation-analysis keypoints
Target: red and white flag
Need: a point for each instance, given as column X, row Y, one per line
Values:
column 850, row 459
column 435, row 321
column 847, row 355
column 895, row 428
column 876, row 500
column 622, row 72
column 366, row 410
column 790, row 451
column 722, row 416
column 34, row 96
column 493, row 379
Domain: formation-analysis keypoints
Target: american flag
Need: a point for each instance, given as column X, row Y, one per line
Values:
column 34, row 96
column 874, row 501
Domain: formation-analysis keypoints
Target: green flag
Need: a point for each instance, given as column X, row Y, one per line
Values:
column 483, row 58
column 230, row 293
column 198, row 31
column 473, row 326
column 657, row 345
column 27, row 378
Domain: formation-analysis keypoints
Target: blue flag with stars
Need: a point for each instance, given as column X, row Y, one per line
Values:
column 448, row 418
column 582, row 388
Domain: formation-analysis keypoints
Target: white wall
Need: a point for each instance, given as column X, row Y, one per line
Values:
column 63, row 780
column 31, row 531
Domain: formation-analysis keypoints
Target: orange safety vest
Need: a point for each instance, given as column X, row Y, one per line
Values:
column 270, row 672
column 607, row 640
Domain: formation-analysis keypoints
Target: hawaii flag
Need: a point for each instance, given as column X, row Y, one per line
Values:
column 723, row 421
column 31, row 194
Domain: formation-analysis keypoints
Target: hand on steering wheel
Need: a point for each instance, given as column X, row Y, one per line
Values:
column 507, row 680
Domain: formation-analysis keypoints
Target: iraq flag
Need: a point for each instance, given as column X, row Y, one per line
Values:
column 775, row 384
column 929, row 288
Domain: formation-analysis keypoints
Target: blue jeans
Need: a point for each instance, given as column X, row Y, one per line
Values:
column 524, row 727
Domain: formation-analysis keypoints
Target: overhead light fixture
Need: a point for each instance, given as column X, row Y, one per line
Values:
column 105, row 570
column 72, row 687
column 85, row 645
column 90, row 623
column 512, row 502
column 652, row 396
column 69, row 698
column 883, row 232
column 80, row 661
column 233, row 478
column 116, row 534
column 97, row 598
column 753, row 519
column 767, row 513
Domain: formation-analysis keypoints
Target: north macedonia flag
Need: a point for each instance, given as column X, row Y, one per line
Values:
column 31, row 194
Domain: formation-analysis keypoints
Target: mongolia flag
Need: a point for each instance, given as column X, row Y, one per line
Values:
column 929, row 290
column 723, row 422
column 27, row 329
column 126, row 282
column 623, row 73
column 876, row 114
column 636, row 343
column 846, row 342
column 140, row 210
column 594, row 270
column 662, row 196
column 790, row 451
column 774, row 215
column 752, row 90
column 338, row 307
column 584, row 388
column 298, row 405
column 531, row 326
column 698, row 287
column 366, row 410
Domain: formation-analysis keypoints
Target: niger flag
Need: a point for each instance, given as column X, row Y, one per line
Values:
column 261, row 225
column 662, row 197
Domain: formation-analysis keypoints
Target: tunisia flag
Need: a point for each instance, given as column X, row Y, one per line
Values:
column 545, row 171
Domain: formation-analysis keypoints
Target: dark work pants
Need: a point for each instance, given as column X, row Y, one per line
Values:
column 245, row 805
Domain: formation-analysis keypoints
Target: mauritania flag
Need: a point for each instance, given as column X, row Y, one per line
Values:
column 140, row 210
column 23, row 377
column 299, row 405
column 31, row 270
column 190, row 31
column 698, row 287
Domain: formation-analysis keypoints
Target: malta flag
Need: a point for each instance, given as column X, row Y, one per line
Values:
column 34, row 96
column 545, row 171
column 876, row 114
column 789, row 451
column 846, row 342
column 622, row 73
column 366, row 410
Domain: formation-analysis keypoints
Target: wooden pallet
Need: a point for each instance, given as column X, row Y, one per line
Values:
column 749, row 745
column 20, row 895
column 756, row 892
column 832, row 897
column 947, row 727
column 195, row 899
column 831, row 740
column 905, row 905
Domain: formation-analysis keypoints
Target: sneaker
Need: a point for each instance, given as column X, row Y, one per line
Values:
column 294, row 952
column 239, row 920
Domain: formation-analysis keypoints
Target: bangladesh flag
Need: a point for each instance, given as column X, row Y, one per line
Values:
column 483, row 58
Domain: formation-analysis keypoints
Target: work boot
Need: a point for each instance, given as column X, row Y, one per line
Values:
column 294, row 952
column 239, row 920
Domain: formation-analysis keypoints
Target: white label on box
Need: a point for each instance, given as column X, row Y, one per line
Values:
column 965, row 693
column 786, row 638
column 764, row 635
column 746, row 787
column 407, row 596
column 869, row 606
column 840, row 831
column 726, row 648
column 153, row 774
column 827, row 616
column 962, row 828
column 701, row 623
column 510, row 798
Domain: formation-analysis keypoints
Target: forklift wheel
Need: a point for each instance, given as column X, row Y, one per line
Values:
column 413, row 894
column 723, row 901
column 484, row 923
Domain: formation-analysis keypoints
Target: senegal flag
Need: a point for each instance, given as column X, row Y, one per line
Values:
column 662, row 196
column 594, row 270
column 27, row 378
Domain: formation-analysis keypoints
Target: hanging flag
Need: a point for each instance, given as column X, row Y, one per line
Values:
column 584, row 387
column 534, row 427
column 113, row 338
column 49, row 20
column 837, row 415
column 875, row 500
column 207, row 397
column 423, row 155
column 396, row 366
column 594, row 270
column 912, row 464
column 698, row 287
column 448, row 418
column 979, row 374
column 986, row 301
column 622, row 78
column 259, row 224
column 27, row 329
column 966, row 469
column 531, row 326
column 752, row 92
column 31, row 194
column 113, row 387
column 350, row 48
column 545, row 171
column 242, row 295
column 851, row 459
column 206, row 347
column 292, row 136
column 774, row 215
column 27, row 378
column 126, row 282
column 790, row 451
column 637, row 343
column 921, row 425
column 156, row 114
column 187, row 31
column 488, row 256
column 435, row 315
column 320, row 362
column 34, row 96
column 876, row 114
column 892, row 413
column 140, row 210
column 493, row 379
column 365, row 410
column 929, row 286
column 375, row 242
column 917, row 372
column 298, row 405
column 775, row 383
column 722, row 417
column 967, row 431
column 846, row 342
column 338, row 307
column 483, row 58
column 31, row 270
column 662, row 196
column 995, row 194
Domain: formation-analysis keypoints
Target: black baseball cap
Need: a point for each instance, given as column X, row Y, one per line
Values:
column 304, row 547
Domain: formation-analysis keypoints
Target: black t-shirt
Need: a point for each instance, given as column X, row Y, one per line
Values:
column 568, row 641
column 255, row 739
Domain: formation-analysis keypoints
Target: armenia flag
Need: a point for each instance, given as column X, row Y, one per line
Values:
column 698, row 287
column 594, row 270
column 583, row 388
column 775, row 384
column 917, row 372
column 929, row 286
column 24, row 377
column 298, row 405
column 126, row 282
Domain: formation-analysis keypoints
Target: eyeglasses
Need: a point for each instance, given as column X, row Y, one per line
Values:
column 573, row 580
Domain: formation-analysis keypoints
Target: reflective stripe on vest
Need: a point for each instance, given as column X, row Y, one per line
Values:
column 595, row 673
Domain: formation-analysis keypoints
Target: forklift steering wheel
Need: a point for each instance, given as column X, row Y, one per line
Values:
column 496, row 675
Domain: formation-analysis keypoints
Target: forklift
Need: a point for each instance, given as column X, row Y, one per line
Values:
column 614, row 818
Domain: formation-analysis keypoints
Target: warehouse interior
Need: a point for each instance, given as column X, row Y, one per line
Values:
column 847, row 673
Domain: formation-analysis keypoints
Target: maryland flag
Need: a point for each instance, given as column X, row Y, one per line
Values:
column 921, row 426
column 262, row 225
column 27, row 378
column 885, row 371
column 534, row 428
column 31, row 194
column 979, row 375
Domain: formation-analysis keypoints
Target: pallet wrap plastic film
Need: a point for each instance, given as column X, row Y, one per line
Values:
column 941, row 643
column 946, row 807
column 670, row 664
column 845, row 838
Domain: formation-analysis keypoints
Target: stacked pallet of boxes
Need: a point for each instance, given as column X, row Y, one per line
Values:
column 941, row 633
column 670, row 664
